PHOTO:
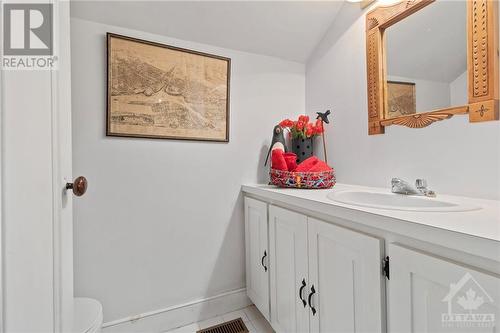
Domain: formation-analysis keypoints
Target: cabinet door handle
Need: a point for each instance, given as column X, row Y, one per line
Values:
column 309, row 299
column 262, row 261
column 300, row 292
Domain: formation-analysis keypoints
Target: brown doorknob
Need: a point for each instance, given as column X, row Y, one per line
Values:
column 79, row 186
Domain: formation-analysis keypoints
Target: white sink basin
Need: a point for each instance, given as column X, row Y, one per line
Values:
column 393, row 201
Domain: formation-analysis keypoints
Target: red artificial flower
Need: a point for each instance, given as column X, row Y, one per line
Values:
column 300, row 125
column 304, row 119
column 309, row 130
column 318, row 127
column 286, row 123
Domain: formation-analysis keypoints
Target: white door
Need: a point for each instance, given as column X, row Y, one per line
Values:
column 344, row 269
column 430, row 294
column 257, row 254
column 36, row 263
column 288, row 265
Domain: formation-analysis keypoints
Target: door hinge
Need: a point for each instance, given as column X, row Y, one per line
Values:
column 385, row 267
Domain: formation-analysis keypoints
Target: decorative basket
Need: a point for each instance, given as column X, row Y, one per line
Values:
column 312, row 180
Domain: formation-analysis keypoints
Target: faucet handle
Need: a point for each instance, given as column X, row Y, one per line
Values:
column 396, row 181
column 421, row 184
column 402, row 187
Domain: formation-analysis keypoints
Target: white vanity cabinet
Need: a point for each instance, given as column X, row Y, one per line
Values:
column 336, row 269
column 427, row 292
column 289, row 270
column 345, row 270
column 257, row 254
column 324, row 278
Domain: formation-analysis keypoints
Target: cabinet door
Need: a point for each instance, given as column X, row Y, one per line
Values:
column 345, row 270
column 257, row 254
column 288, row 251
column 432, row 294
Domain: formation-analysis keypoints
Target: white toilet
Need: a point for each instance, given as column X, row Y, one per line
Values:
column 87, row 317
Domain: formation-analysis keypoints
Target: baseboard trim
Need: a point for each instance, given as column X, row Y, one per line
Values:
column 162, row 320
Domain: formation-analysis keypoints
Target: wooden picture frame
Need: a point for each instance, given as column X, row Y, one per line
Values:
column 482, row 65
column 165, row 92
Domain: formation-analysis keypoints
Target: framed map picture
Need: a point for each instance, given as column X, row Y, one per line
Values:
column 401, row 99
column 161, row 91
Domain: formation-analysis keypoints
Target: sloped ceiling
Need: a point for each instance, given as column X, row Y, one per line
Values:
column 285, row 29
column 430, row 44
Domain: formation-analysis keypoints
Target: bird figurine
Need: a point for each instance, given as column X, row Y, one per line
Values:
column 278, row 141
column 324, row 118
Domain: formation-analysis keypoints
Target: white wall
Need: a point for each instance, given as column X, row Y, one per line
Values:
column 161, row 223
column 458, row 90
column 453, row 155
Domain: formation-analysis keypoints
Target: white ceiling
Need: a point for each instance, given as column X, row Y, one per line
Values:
column 284, row 29
column 430, row 44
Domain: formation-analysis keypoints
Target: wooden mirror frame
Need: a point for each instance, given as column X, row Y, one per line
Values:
column 482, row 65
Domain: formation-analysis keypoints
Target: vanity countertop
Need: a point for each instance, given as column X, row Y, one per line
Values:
column 483, row 223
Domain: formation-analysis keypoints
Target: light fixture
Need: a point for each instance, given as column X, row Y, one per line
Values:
column 388, row 2
column 362, row 3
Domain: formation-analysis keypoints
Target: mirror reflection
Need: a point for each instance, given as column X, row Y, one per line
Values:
column 427, row 60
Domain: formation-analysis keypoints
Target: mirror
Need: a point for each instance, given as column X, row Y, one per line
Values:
column 426, row 58
column 430, row 60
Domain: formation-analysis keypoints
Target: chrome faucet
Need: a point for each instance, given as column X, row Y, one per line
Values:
column 402, row 187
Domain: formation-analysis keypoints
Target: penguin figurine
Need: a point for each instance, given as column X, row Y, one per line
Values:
column 278, row 141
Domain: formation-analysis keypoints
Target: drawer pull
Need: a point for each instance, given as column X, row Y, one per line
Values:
column 262, row 261
column 300, row 292
column 313, row 291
